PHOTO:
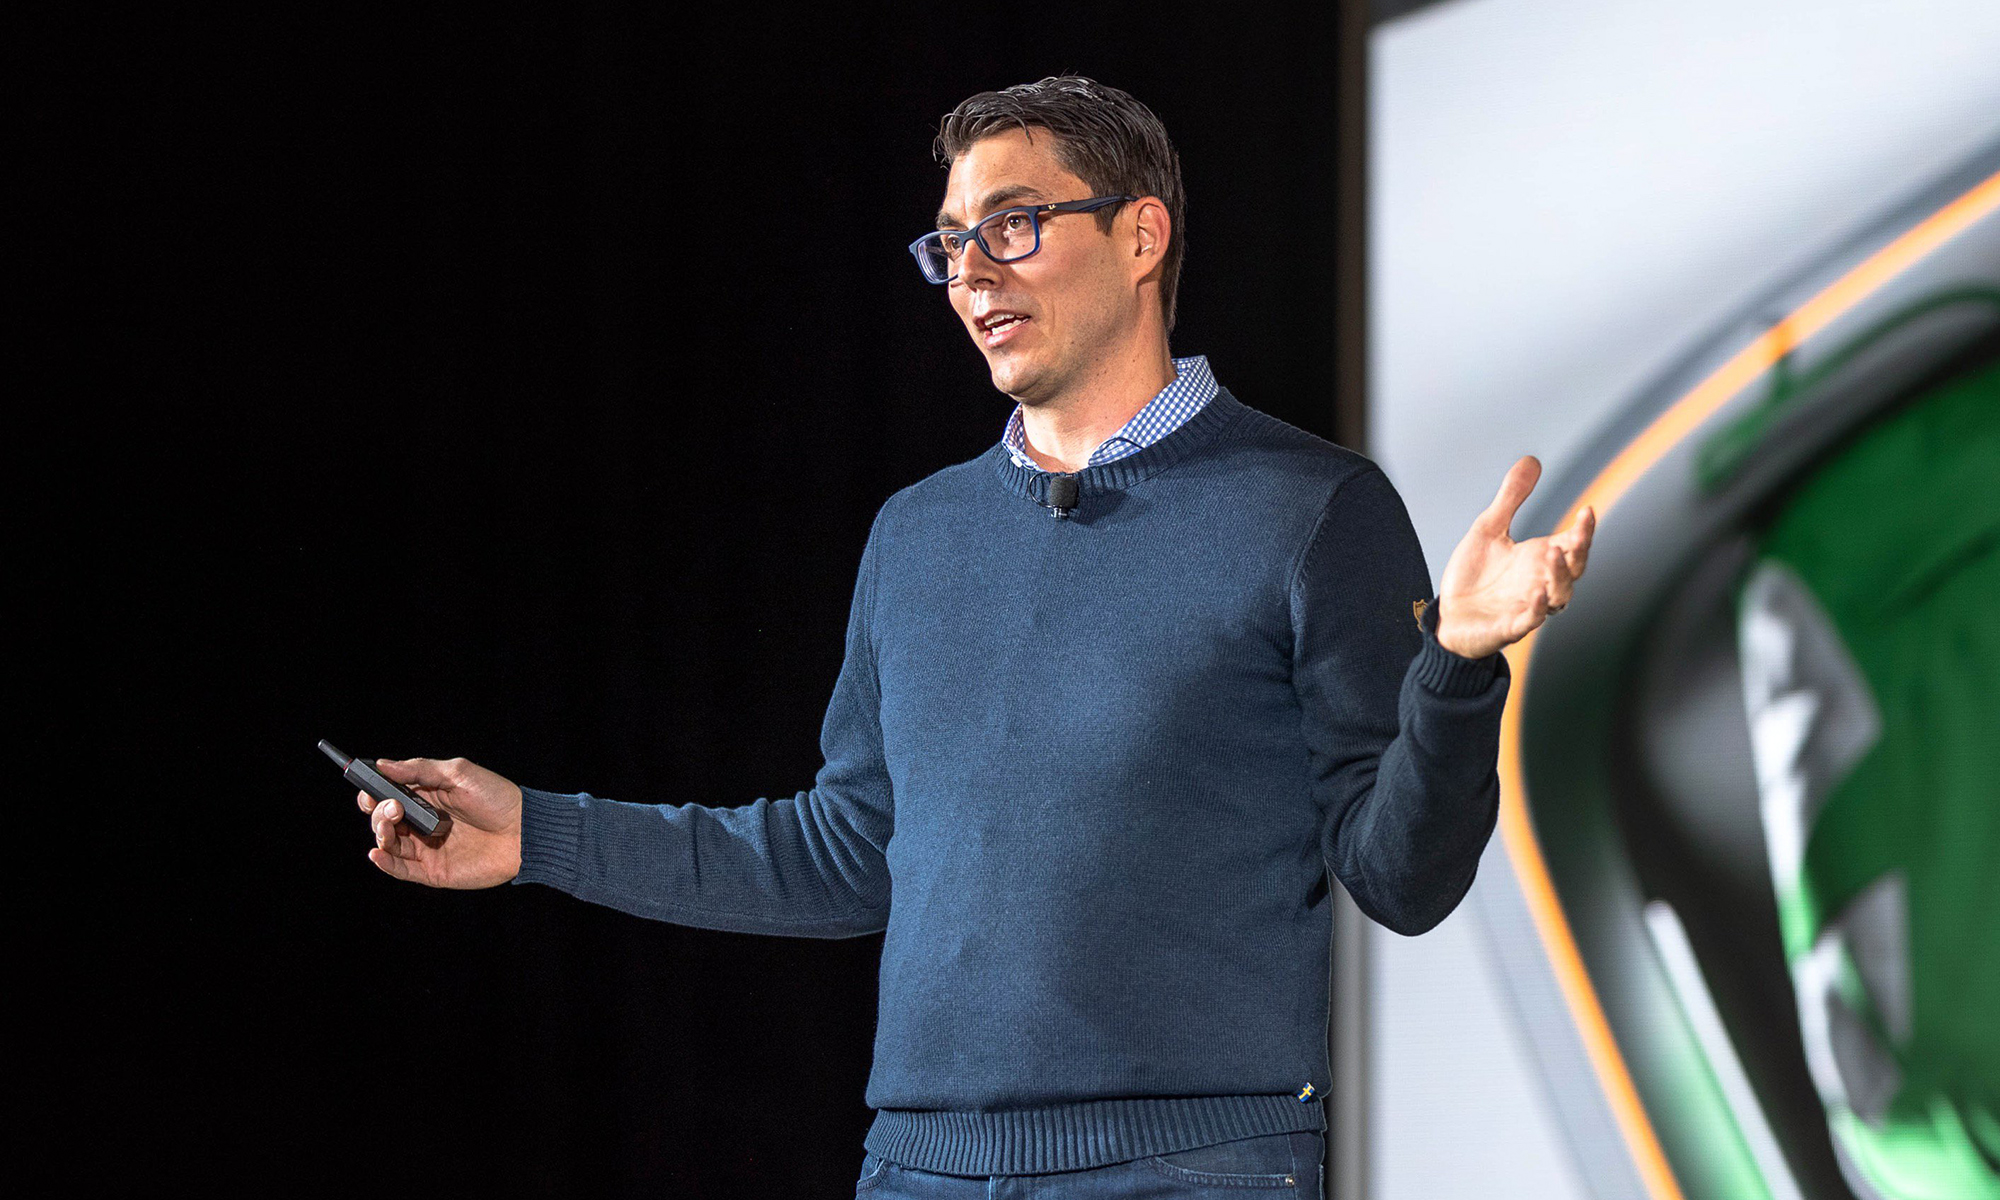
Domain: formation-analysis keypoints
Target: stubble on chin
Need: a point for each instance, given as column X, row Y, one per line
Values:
column 1007, row 378
column 1023, row 383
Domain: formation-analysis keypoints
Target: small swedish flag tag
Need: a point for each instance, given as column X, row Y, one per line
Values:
column 1307, row 1092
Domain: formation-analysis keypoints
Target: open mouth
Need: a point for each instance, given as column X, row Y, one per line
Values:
column 1002, row 329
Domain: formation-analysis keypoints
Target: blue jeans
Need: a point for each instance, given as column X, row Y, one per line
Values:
column 1282, row 1164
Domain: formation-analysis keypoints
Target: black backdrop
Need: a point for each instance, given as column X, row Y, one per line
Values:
column 522, row 388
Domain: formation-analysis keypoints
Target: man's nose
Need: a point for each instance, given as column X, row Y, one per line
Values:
column 976, row 268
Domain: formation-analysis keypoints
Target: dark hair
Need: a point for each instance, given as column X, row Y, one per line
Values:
column 1102, row 136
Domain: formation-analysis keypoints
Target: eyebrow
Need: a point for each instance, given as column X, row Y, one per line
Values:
column 994, row 199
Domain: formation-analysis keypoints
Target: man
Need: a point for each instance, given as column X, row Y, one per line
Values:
column 1117, row 693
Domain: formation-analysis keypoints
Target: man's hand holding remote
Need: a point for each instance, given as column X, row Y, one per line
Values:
column 477, row 845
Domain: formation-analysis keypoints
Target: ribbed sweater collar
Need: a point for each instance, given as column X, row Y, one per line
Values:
column 1194, row 433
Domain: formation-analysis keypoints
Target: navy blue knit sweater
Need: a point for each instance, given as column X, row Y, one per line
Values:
column 1089, row 774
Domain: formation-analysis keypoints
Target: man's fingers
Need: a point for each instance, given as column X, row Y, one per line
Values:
column 1576, row 541
column 366, row 801
column 1499, row 515
column 405, row 847
column 1557, row 578
column 1560, row 561
column 401, row 868
column 384, row 821
column 424, row 772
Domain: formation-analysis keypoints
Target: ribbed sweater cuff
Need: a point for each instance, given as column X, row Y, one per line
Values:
column 551, row 825
column 1449, row 674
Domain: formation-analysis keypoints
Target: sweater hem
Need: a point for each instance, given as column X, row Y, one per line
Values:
column 1072, row 1137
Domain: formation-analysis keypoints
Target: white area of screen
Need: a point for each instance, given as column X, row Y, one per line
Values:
column 1564, row 194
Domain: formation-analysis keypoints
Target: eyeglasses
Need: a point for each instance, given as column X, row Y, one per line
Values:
column 1006, row 236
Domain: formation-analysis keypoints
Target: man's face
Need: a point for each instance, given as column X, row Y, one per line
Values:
column 1078, row 301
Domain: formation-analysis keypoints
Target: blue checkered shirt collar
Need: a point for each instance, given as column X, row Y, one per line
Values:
column 1193, row 386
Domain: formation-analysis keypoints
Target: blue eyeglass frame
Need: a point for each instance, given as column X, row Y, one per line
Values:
column 1035, row 213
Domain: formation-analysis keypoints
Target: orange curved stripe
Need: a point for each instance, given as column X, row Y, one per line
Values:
column 1665, row 432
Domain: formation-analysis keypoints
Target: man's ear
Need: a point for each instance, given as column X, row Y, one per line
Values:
column 1152, row 228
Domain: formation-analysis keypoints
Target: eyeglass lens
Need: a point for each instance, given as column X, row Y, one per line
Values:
column 1006, row 235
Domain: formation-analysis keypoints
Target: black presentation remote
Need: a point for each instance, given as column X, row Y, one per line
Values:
column 422, row 817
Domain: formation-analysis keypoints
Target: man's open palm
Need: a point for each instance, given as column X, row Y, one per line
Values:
column 1495, row 589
